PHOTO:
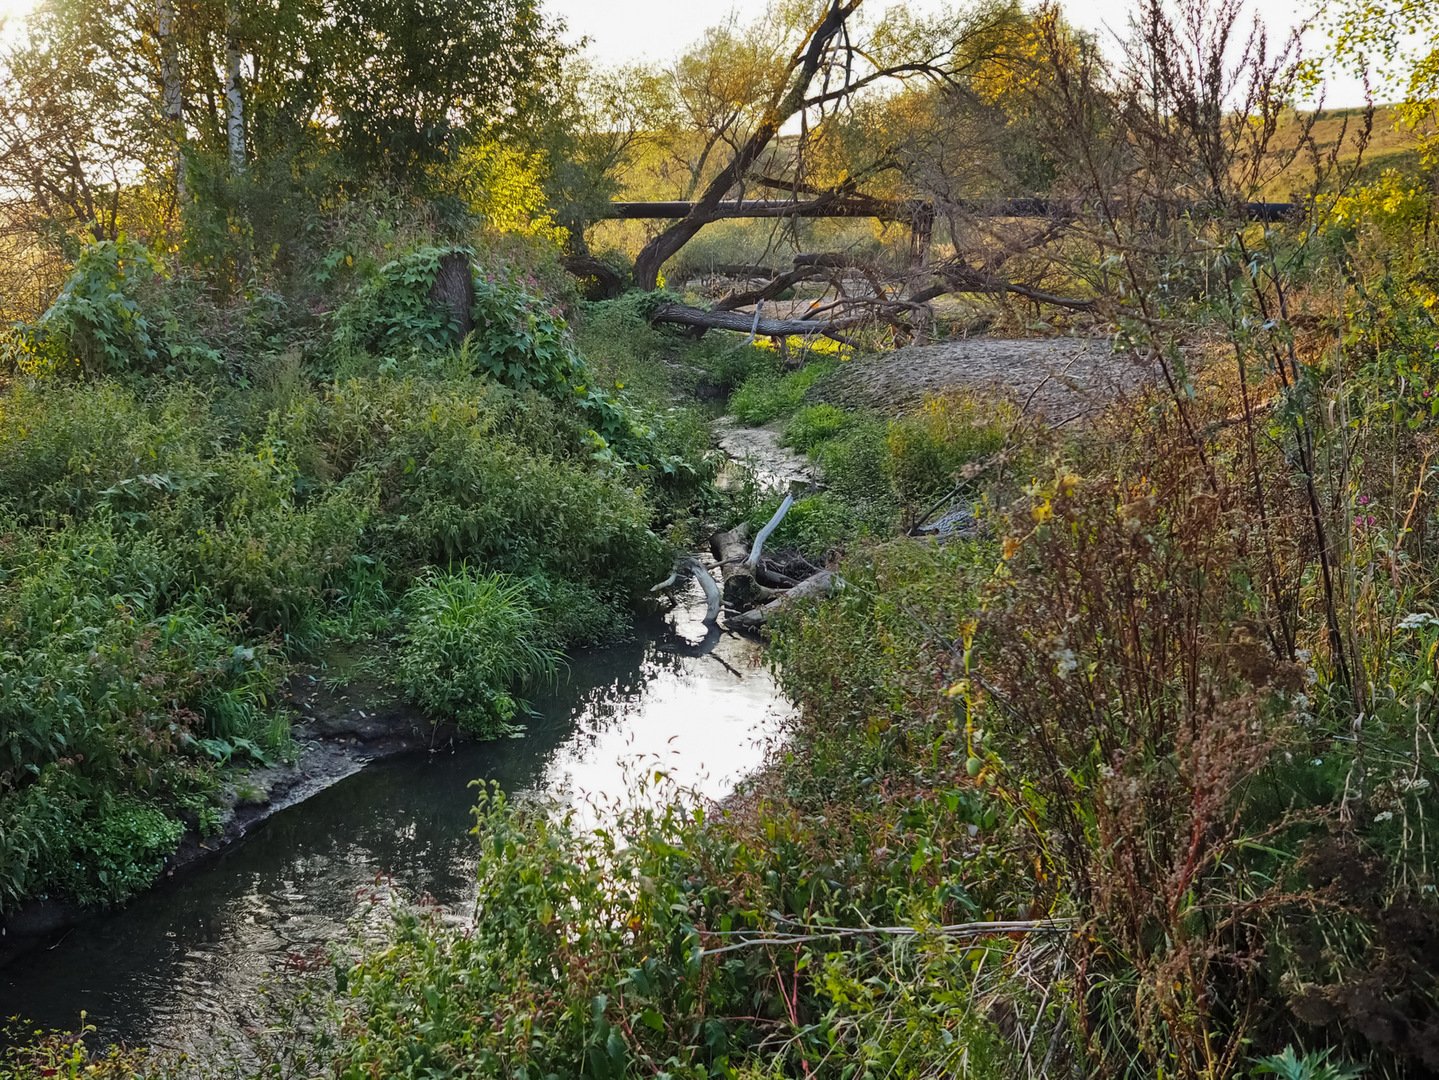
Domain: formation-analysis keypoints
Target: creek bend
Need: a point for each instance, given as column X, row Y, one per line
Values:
column 183, row 967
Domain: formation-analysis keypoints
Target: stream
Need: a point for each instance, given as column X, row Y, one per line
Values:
column 183, row 967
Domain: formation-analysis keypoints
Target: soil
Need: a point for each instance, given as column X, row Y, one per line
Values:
column 1060, row 379
column 759, row 448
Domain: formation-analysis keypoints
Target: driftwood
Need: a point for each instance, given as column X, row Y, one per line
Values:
column 689, row 564
column 819, row 585
column 731, row 548
column 741, row 322
column 764, row 534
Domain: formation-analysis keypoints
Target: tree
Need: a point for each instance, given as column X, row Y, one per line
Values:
column 835, row 61
column 1384, row 40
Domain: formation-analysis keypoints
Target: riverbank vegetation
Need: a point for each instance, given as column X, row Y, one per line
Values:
column 1128, row 773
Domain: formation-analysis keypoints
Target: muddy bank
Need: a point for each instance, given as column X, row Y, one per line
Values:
column 335, row 738
column 760, row 450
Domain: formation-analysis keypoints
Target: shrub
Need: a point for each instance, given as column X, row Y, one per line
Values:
column 623, row 347
column 121, row 851
column 816, row 525
column 66, row 450
column 856, row 469
column 113, row 700
column 469, row 640
column 573, row 614
column 111, row 318
column 458, row 488
column 929, row 447
column 596, row 953
column 392, row 316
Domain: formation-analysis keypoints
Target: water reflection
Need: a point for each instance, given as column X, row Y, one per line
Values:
column 183, row 966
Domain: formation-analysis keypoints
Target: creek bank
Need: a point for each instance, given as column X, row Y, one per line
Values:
column 182, row 969
column 1059, row 379
column 760, row 449
column 336, row 739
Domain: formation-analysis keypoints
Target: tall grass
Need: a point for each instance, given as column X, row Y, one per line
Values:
column 470, row 641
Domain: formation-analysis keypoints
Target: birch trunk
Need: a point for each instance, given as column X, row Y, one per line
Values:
column 172, row 93
column 234, row 103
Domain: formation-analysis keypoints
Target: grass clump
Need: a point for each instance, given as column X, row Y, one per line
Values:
column 769, row 393
column 813, row 425
column 471, row 640
column 929, row 448
column 657, row 363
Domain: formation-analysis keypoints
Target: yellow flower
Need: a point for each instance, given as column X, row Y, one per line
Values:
column 1010, row 548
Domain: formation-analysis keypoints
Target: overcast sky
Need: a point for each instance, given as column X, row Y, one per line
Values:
column 625, row 30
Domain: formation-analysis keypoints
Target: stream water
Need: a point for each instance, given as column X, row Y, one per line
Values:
column 183, row 967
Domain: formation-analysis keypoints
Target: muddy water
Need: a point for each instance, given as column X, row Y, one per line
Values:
column 183, row 967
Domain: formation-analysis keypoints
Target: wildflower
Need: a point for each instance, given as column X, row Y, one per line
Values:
column 1364, row 500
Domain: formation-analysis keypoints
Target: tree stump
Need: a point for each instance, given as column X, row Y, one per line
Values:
column 454, row 292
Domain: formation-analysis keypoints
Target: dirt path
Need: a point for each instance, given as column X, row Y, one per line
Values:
column 1060, row 379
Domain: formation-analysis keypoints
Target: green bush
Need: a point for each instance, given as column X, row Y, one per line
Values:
column 572, row 614
column 392, row 317
column 112, row 694
column 623, row 347
column 518, row 340
column 470, row 640
column 112, row 317
column 156, row 548
column 856, row 468
column 816, row 526
column 121, row 850
column 595, row 953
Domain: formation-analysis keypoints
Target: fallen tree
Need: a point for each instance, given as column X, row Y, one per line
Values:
column 751, row 323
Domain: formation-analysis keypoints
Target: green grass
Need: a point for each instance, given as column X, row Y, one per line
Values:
column 469, row 641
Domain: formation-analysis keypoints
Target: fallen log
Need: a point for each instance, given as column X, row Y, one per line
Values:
column 742, row 589
column 604, row 281
column 743, row 270
column 743, row 323
column 815, row 587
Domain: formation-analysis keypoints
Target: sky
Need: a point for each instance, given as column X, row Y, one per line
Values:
column 621, row 31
